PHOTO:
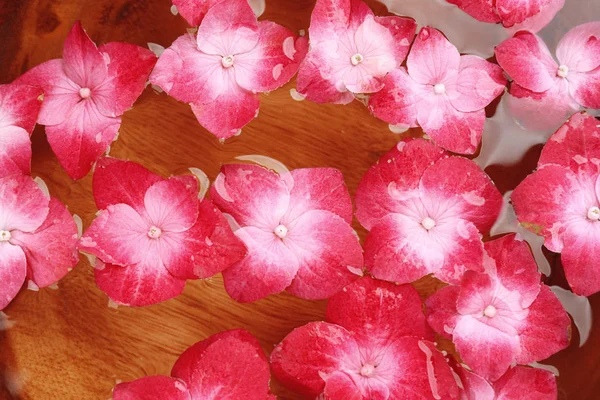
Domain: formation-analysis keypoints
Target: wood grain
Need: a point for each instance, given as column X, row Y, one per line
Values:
column 67, row 343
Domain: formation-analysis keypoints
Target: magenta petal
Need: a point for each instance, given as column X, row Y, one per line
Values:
column 152, row 388
column 474, row 386
column 307, row 355
column 441, row 310
column 526, row 383
column 23, row 205
column 514, row 12
column 403, row 30
column 580, row 258
column 193, row 10
column 585, row 88
column 229, row 365
column 397, row 103
column 328, row 252
column 50, row 250
column 20, row 105
column 481, row 10
column 380, row 311
column 83, row 63
column 432, row 57
column 15, row 151
column 12, row 272
column 333, row 17
column 579, row 49
column 171, row 206
column 339, row 385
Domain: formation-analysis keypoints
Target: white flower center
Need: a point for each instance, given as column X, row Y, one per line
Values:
column 227, row 61
column 154, row 232
column 428, row 223
column 85, row 92
column 356, row 59
column 440, row 88
column 490, row 311
column 593, row 214
column 367, row 369
column 563, row 71
column 281, row 231
column 5, row 236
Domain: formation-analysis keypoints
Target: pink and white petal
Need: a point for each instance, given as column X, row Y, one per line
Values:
column 328, row 253
column 339, row 385
column 486, row 350
column 585, row 87
column 51, row 250
column 513, row 12
column 228, row 28
column 527, row 60
column 539, row 21
column 331, row 18
column 13, row 268
column 307, row 355
column 118, row 181
column 377, row 311
column 546, row 330
column 225, row 116
column 318, row 189
column 451, row 129
column 252, row 194
column 171, row 206
column 269, row 267
column 398, row 249
column 20, row 105
column 579, row 49
column 23, row 205
column 442, row 315
column 432, row 58
column 193, row 10
column 188, row 74
column 527, row 384
column 118, row 235
column 397, row 173
column 128, row 69
column 152, row 388
column 398, row 101
column 272, row 62
column 137, row 285
column 229, row 365
column 403, row 30
column 481, row 10
column 580, row 258
column 461, row 183
column 15, row 151
column 82, row 61
column 478, row 83
column 474, row 386
column 82, row 138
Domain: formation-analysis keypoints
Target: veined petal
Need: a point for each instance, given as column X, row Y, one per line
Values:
column 15, row 151
column 23, row 205
column 19, row 106
column 432, row 58
column 333, row 17
column 13, row 268
column 171, row 207
column 579, row 49
column 82, row 61
column 398, row 101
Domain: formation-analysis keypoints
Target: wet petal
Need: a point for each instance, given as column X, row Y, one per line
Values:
column 398, row 101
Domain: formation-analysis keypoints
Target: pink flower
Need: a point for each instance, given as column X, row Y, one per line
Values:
column 37, row 237
column 19, row 108
column 561, row 201
column 153, row 233
column 221, row 69
column 194, row 10
column 517, row 383
column 374, row 345
column 425, row 211
column 441, row 91
column 297, row 230
column 351, row 51
column 503, row 316
column 85, row 94
column 226, row 366
column 548, row 92
column 531, row 15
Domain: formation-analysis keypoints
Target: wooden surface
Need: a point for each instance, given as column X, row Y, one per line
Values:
column 67, row 343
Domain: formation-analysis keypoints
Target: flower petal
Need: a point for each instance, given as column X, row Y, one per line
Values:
column 585, row 87
column 580, row 258
column 23, row 205
column 333, row 17
column 171, row 206
column 82, row 61
column 475, row 387
column 15, row 151
column 580, row 47
column 538, row 384
column 513, row 12
column 441, row 310
column 12, row 272
column 20, row 105
column 194, row 11
column 482, row 10
column 328, row 254
column 403, row 30
column 432, row 58
column 340, row 386
column 148, row 387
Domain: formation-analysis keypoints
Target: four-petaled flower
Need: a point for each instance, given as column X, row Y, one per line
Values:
column 85, row 94
column 561, row 201
column 503, row 316
column 153, row 233
column 374, row 345
column 38, row 237
column 221, row 68
column 297, row 230
column 425, row 211
column 544, row 92
column 227, row 366
column 441, row 91
column 351, row 51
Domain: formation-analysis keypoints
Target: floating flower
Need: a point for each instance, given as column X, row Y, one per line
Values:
column 220, row 69
column 425, row 212
column 85, row 94
column 153, row 233
column 561, row 201
column 503, row 316
column 374, row 345
column 19, row 108
column 297, row 230
column 194, row 10
column 37, row 237
column 546, row 92
column 228, row 365
column 531, row 15
column 441, row 91
column 516, row 384
column 351, row 51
